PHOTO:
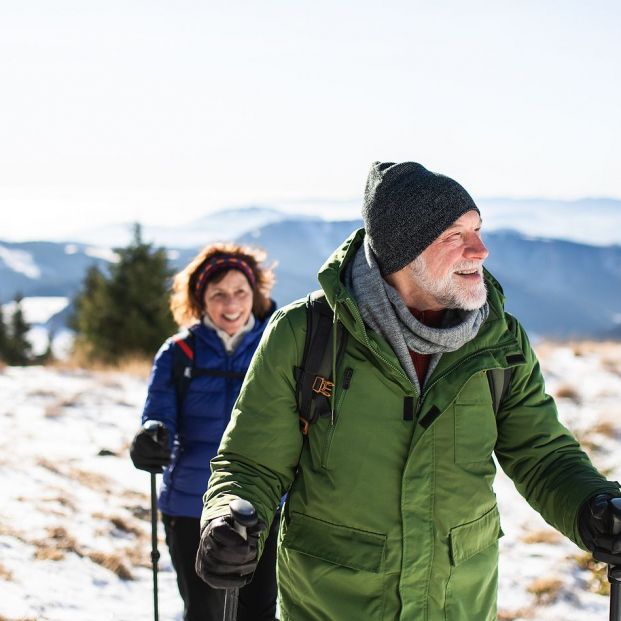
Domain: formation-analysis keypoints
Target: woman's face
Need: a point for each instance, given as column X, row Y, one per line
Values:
column 228, row 303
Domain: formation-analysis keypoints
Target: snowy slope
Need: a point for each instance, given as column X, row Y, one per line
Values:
column 74, row 521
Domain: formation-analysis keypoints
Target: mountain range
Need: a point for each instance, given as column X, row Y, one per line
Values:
column 557, row 287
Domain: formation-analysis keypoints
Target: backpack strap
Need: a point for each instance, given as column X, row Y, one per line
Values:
column 183, row 364
column 314, row 381
column 184, row 369
column 499, row 380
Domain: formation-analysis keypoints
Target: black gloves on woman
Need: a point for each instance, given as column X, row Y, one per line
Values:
column 149, row 449
column 599, row 523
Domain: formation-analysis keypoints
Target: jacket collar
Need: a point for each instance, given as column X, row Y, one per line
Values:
column 493, row 334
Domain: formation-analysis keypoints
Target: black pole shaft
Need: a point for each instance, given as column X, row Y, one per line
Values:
column 155, row 555
column 231, row 598
column 615, row 601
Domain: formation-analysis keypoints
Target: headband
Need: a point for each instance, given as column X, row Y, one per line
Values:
column 221, row 263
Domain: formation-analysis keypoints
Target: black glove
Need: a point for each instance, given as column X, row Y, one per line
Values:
column 149, row 449
column 225, row 560
column 599, row 524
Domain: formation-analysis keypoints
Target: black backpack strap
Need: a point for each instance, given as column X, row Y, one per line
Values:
column 202, row 372
column 184, row 369
column 183, row 365
column 314, row 381
column 499, row 380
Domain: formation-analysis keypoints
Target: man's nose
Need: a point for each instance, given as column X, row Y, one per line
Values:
column 476, row 249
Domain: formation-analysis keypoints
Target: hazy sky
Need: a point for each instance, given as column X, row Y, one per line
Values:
column 162, row 111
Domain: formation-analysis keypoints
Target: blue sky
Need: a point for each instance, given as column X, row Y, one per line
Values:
column 161, row 112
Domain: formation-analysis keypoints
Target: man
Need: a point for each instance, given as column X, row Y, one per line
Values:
column 391, row 512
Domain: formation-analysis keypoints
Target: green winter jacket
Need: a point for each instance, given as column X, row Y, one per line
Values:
column 388, row 518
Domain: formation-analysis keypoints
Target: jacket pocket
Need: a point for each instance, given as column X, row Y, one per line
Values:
column 339, row 566
column 469, row 539
column 475, row 432
column 341, row 545
column 475, row 422
column 473, row 583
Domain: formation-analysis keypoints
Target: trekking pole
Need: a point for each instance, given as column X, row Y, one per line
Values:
column 244, row 516
column 614, row 571
column 152, row 427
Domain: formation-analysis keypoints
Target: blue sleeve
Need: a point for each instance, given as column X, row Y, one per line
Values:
column 161, row 403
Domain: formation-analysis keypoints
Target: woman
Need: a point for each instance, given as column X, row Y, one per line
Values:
column 223, row 296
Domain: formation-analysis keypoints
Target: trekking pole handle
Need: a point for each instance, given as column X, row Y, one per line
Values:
column 154, row 429
column 244, row 516
column 615, row 505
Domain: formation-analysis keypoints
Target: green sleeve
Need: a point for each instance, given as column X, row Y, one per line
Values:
column 540, row 455
column 260, row 449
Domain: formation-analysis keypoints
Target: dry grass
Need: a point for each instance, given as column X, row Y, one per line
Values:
column 512, row 615
column 124, row 525
column 58, row 543
column 139, row 555
column 545, row 590
column 542, row 536
column 138, row 366
column 3, row 618
column 49, row 465
column 597, row 581
column 5, row 574
column 612, row 365
column 55, row 546
column 121, row 523
column 605, row 349
column 62, row 500
column 9, row 531
column 141, row 512
column 606, row 428
column 44, row 553
column 92, row 480
column 568, row 392
column 113, row 562
column 42, row 393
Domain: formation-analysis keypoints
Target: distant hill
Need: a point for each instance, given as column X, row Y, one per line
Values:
column 46, row 268
column 557, row 288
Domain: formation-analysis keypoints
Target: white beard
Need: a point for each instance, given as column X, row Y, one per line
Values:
column 448, row 291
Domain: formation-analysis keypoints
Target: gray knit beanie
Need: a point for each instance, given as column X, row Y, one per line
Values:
column 406, row 207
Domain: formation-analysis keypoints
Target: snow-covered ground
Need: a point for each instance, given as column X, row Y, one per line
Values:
column 74, row 514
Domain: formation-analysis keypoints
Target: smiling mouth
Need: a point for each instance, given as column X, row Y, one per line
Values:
column 232, row 317
column 471, row 274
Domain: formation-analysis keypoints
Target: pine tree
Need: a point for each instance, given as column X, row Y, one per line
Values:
column 18, row 348
column 127, row 312
column 89, row 319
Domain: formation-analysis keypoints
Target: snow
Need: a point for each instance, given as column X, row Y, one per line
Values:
column 20, row 261
column 69, row 492
column 37, row 310
column 107, row 254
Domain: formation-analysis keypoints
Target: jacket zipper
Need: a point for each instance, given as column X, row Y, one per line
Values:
column 356, row 312
column 347, row 377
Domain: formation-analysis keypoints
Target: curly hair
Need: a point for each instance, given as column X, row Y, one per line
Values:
column 187, row 307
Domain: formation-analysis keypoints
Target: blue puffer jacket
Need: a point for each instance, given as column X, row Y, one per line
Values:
column 196, row 433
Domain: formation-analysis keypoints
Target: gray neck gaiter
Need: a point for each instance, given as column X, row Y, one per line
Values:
column 384, row 311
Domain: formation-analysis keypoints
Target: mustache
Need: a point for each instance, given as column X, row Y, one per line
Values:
column 469, row 265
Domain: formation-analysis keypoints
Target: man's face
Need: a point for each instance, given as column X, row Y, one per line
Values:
column 449, row 272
